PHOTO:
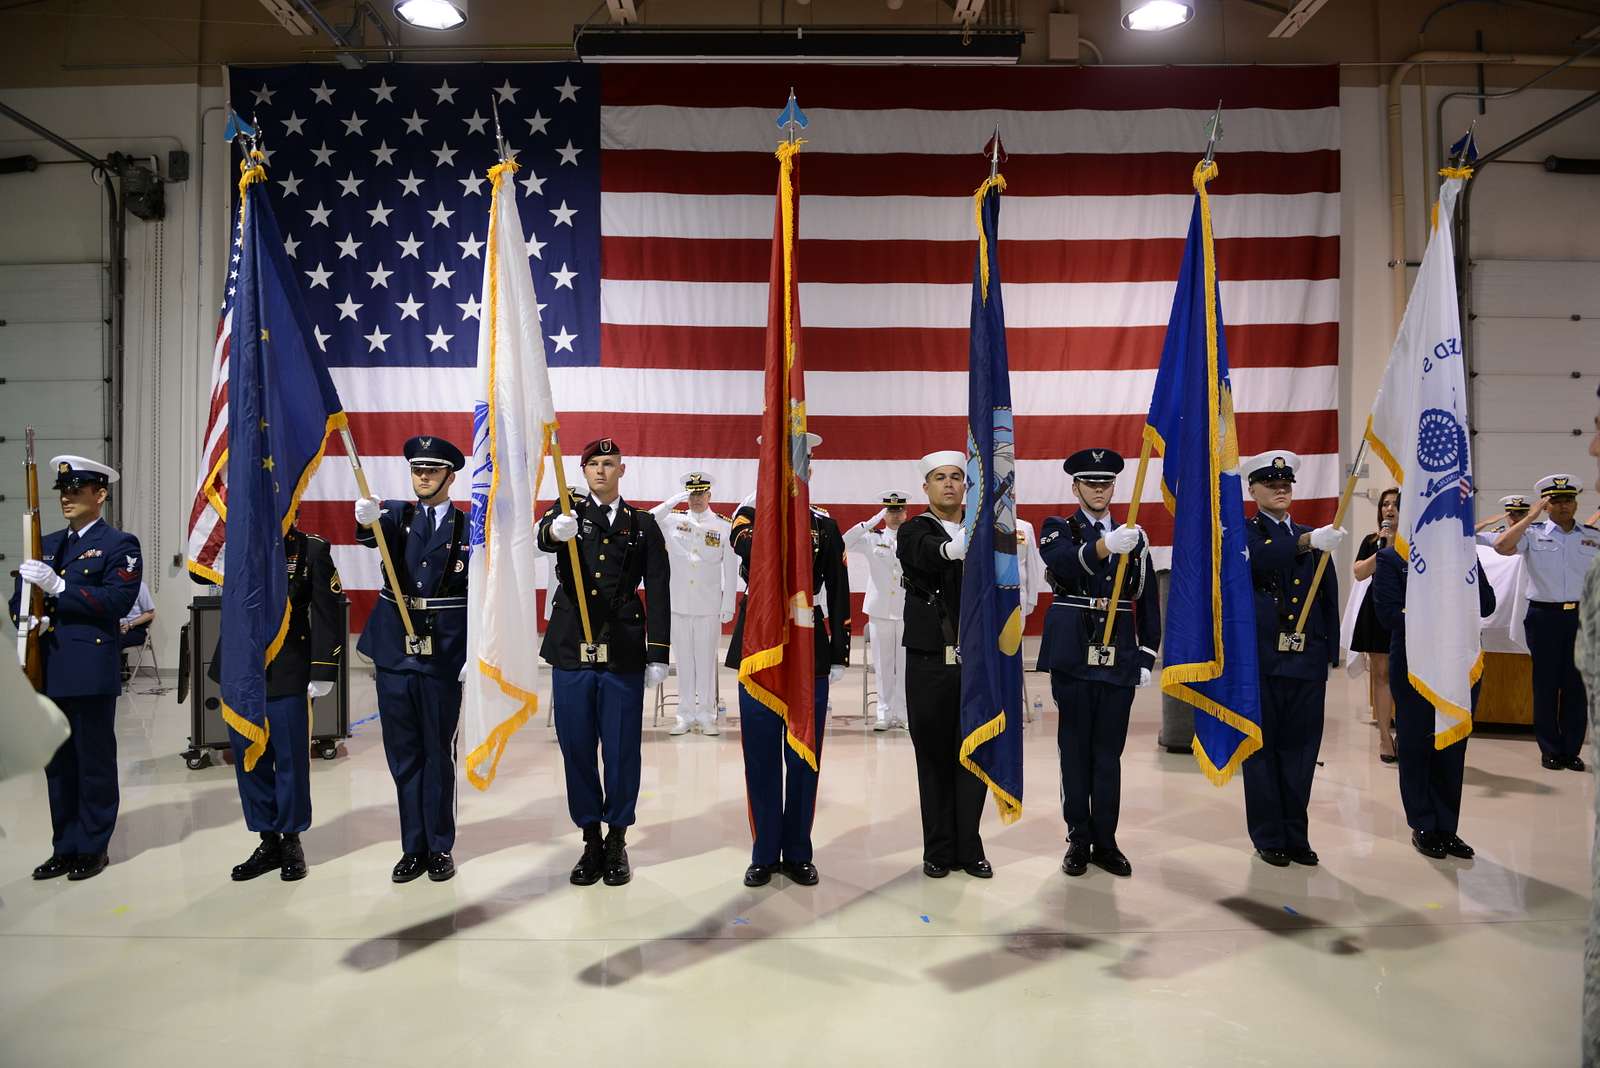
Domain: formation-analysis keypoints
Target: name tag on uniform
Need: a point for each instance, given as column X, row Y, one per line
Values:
column 952, row 655
column 1291, row 643
column 592, row 654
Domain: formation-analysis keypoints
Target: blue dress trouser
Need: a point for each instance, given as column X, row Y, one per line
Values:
column 604, row 711
column 82, row 778
column 1430, row 779
column 276, row 794
column 1091, row 731
column 780, row 786
column 1560, row 704
column 1277, row 777
column 419, row 715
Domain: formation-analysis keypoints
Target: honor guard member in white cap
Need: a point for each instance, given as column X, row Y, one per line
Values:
column 1513, row 506
column 276, row 793
column 419, row 681
column 705, row 575
column 1093, row 684
column 1557, row 551
column 780, row 787
column 932, row 546
column 1293, row 665
column 89, row 574
column 598, row 686
column 885, row 606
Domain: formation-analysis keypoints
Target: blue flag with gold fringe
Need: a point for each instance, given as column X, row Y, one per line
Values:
column 281, row 407
column 991, row 614
column 1210, row 640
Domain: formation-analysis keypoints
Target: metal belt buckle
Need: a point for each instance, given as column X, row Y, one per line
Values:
column 952, row 655
column 1569, row 606
column 1291, row 643
column 592, row 653
column 419, row 645
column 1099, row 604
column 1102, row 656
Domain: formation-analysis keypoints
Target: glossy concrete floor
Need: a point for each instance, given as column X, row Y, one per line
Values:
column 1204, row 956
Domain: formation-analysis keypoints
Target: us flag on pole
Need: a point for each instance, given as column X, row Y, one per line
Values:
column 647, row 196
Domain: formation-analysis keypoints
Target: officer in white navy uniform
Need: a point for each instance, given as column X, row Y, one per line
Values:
column 1030, row 566
column 419, row 684
column 1557, row 551
column 705, row 575
column 1293, row 665
column 90, row 575
column 885, row 606
column 1094, row 698
column 1513, row 506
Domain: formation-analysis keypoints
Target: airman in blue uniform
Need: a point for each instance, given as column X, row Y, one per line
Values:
column 419, row 680
column 1092, row 683
column 90, row 574
column 1557, row 551
column 1293, row 665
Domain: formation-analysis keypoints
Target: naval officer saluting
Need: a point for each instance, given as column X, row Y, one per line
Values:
column 419, row 681
column 885, row 606
column 90, row 576
column 705, row 575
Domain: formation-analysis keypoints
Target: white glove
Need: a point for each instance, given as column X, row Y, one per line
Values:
column 872, row 523
column 679, row 498
column 1144, row 676
column 956, row 547
column 1327, row 538
column 368, row 509
column 43, row 576
column 319, row 689
column 1123, row 540
column 563, row 528
column 654, row 675
column 835, row 674
column 461, row 676
column 38, row 623
column 727, row 615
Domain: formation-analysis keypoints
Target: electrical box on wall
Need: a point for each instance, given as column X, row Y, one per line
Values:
column 1063, row 37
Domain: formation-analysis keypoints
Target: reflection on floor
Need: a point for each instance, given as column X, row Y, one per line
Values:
column 1204, row 956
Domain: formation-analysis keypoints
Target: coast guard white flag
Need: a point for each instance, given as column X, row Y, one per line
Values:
column 1418, row 429
column 512, row 410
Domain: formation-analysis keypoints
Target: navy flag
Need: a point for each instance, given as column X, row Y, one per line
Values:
column 281, row 407
column 1210, row 641
column 991, row 610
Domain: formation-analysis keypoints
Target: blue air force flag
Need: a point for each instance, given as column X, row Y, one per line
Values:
column 1418, row 429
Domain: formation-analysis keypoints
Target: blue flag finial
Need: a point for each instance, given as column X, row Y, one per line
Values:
column 1465, row 151
column 237, row 127
column 791, row 119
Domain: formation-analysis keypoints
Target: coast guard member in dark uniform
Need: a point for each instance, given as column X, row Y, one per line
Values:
column 90, row 576
column 780, row 786
column 598, row 688
column 1557, row 551
column 276, row 794
column 1430, row 779
column 419, row 685
column 1293, row 668
column 931, row 547
column 1095, row 697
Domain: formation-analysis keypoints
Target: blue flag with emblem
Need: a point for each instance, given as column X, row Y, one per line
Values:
column 281, row 407
column 991, row 613
column 1210, row 640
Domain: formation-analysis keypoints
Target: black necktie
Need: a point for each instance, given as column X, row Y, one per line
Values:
column 426, row 524
column 71, row 550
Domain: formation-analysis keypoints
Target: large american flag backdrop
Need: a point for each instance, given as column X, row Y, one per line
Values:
column 647, row 193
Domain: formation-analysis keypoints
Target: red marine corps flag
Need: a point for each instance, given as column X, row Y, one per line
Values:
column 778, row 661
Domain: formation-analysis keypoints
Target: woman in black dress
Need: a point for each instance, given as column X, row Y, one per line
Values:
column 1370, row 636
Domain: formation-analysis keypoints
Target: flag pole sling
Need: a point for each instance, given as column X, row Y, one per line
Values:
column 1338, row 520
column 1122, row 560
column 377, row 532
column 572, row 544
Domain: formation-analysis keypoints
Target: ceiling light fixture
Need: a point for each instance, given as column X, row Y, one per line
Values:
column 1152, row 15
column 431, row 14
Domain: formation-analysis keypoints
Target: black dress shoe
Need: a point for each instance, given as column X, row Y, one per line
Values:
column 1278, row 858
column 1428, row 844
column 934, row 871
column 804, row 872
column 409, row 867
column 759, row 874
column 1111, row 859
column 592, row 864
column 1307, row 856
column 1553, row 763
column 294, row 860
column 267, row 857
column 1576, row 764
column 57, row 866
column 618, row 870
column 1076, row 862
column 441, row 866
column 1389, row 758
column 87, row 866
column 979, row 869
column 1453, row 845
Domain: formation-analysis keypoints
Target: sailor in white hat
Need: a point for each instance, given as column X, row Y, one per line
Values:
column 705, row 573
column 885, row 606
